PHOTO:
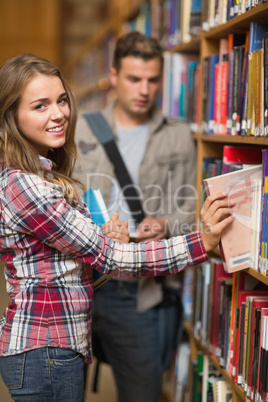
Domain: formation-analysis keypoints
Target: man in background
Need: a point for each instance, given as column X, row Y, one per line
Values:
column 132, row 316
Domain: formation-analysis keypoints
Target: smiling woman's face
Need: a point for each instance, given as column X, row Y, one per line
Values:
column 43, row 113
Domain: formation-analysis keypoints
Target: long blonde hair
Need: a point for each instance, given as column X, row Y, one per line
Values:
column 15, row 150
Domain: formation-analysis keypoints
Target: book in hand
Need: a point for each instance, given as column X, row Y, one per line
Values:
column 240, row 239
column 99, row 214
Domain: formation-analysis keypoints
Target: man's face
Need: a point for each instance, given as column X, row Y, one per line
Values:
column 137, row 84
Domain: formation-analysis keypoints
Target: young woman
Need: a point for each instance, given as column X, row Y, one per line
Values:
column 49, row 242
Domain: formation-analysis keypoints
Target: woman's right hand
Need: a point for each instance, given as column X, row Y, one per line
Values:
column 216, row 215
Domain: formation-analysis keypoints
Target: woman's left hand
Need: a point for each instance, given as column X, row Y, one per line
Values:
column 116, row 229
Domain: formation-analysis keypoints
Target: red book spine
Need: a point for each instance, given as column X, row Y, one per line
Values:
column 223, row 98
column 216, row 98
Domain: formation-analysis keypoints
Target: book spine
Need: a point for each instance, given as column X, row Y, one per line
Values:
column 263, row 243
column 257, row 68
column 241, row 102
column 243, row 127
column 216, row 99
column 205, row 95
column 235, row 89
column 265, row 80
column 214, row 59
column 230, row 93
column 250, row 97
column 223, row 96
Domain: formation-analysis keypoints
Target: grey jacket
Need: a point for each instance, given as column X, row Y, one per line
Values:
column 167, row 178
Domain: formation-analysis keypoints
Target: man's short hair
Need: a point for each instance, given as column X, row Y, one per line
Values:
column 137, row 45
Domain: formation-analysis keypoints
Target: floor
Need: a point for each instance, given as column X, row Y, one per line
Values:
column 106, row 387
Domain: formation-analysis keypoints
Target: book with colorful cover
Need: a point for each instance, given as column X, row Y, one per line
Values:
column 205, row 94
column 222, row 89
column 241, row 101
column 257, row 58
column 265, row 82
column 257, row 304
column 224, row 319
column 214, row 59
column 218, row 272
column 260, row 313
column 263, row 256
column 262, row 364
column 238, row 284
column 257, row 31
column 240, row 339
column 250, row 109
column 233, row 40
column 243, row 123
column 233, row 154
column 238, row 57
column 99, row 214
column 240, row 187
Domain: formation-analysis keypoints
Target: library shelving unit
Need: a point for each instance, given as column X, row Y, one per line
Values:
column 206, row 44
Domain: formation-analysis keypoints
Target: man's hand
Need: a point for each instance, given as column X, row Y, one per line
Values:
column 152, row 229
column 216, row 215
column 116, row 229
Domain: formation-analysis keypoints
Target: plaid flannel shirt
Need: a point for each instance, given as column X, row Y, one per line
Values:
column 48, row 248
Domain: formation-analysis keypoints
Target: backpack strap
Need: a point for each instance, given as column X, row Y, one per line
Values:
column 104, row 134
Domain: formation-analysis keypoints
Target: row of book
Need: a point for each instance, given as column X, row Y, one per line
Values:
column 176, row 21
column 181, row 76
column 230, row 317
column 208, row 383
column 235, row 86
column 217, row 12
column 170, row 21
column 235, row 83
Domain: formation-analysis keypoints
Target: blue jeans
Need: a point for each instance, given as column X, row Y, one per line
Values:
column 137, row 346
column 44, row 375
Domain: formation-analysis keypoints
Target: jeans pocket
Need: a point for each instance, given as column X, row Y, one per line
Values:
column 12, row 370
column 65, row 357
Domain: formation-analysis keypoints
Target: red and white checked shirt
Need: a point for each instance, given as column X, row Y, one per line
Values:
column 48, row 248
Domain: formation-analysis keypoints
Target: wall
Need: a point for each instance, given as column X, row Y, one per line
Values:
column 31, row 26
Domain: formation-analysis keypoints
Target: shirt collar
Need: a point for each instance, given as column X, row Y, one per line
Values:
column 46, row 163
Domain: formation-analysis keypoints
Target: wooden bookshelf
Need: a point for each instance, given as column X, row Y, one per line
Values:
column 212, row 145
column 198, row 346
column 208, row 145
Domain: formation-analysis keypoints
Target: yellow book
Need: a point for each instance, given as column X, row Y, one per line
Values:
column 257, row 90
column 250, row 96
